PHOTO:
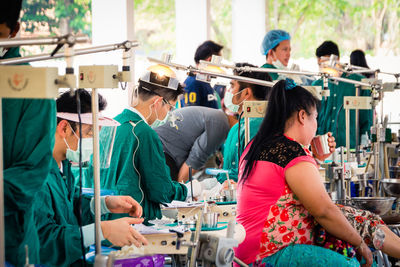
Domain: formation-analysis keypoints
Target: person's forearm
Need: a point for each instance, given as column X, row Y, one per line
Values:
column 336, row 224
column 103, row 205
column 183, row 174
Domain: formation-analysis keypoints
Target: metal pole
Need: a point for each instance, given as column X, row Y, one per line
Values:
column 269, row 70
column 362, row 71
column 347, row 134
column 67, row 39
column 77, row 52
column 196, row 237
column 239, row 262
column 2, row 245
column 246, row 131
column 96, row 169
column 233, row 77
column 349, row 81
column 376, row 146
column 357, row 122
column 255, row 81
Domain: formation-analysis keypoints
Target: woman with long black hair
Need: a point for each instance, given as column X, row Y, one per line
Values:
column 357, row 58
column 281, row 198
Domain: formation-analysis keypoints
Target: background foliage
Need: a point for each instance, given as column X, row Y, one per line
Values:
column 371, row 25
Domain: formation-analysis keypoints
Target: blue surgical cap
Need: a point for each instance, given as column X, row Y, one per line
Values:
column 272, row 39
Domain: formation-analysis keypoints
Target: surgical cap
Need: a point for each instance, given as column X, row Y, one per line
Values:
column 272, row 39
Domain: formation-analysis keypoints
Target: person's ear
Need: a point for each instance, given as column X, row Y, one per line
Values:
column 248, row 93
column 301, row 116
column 16, row 30
column 271, row 53
column 62, row 128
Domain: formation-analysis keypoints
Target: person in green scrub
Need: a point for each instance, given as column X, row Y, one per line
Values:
column 28, row 139
column 138, row 166
column 56, row 206
column 276, row 48
column 331, row 116
column 234, row 98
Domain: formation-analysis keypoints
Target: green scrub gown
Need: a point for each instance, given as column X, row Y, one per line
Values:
column 274, row 76
column 231, row 159
column 28, row 140
column 330, row 107
column 56, row 210
column 146, row 176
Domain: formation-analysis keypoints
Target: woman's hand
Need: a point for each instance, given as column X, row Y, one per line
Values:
column 331, row 144
column 225, row 185
column 124, row 204
column 364, row 252
column 121, row 233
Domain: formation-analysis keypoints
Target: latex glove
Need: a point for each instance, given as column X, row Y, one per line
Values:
column 124, row 204
column 225, row 185
column 209, row 183
column 213, row 192
column 197, row 189
column 120, row 232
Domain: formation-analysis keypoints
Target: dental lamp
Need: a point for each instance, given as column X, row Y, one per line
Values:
column 210, row 73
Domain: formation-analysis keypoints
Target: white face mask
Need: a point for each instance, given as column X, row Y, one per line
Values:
column 228, row 98
column 87, row 149
column 159, row 122
column 278, row 64
column 4, row 50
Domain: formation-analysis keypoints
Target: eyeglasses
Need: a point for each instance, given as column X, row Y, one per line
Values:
column 171, row 107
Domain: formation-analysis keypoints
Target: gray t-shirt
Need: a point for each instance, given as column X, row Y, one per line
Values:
column 199, row 132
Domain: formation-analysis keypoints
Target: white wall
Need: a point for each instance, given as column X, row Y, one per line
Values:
column 112, row 24
column 248, row 30
column 191, row 28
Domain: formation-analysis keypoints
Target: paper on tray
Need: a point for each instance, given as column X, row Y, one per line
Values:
column 148, row 230
column 180, row 204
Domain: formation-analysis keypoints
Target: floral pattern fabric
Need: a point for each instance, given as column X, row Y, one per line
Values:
column 365, row 222
column 326, row 240
column 288, row 222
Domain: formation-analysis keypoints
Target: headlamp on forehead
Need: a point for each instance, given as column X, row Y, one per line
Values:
column 161, row 76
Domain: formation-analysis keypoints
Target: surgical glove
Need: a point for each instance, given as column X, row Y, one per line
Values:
column 213, row 192
column 197, row 189
column 124, row 204
column 120, row 232
column 209, row 183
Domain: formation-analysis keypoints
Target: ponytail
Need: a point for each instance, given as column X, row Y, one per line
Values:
column 285, row 98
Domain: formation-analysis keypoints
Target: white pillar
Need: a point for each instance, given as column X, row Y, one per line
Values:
column 248, row 30
column 109, row 21
column 113, row 22
column 192, row 28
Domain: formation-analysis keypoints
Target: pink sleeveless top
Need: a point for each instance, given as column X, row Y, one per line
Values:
column 271, row 214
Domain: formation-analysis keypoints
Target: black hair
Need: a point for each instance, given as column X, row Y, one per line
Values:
column 68, row 103
column 9, row 13
column 357, row 58
column 260, row 92
column 272, row 49
column 206, row 50
column 147, row 90
column 327, row 48
column 282, row 103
